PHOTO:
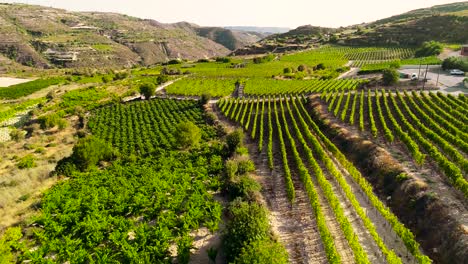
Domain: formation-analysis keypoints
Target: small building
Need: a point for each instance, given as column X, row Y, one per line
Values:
column 464, row 50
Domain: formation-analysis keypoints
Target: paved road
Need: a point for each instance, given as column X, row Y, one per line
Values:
column 447, row 83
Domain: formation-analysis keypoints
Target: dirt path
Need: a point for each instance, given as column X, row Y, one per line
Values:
column 352, row 72
column 295, row 225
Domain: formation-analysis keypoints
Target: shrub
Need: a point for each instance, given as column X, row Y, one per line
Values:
column 204, row 99
column 120, row 76
column 244, row 187
column 245, row 166
column 162, row 78
column 8, row 242
column 175, row 61
column 223, row 59
column 187, row 135
column 234, row 139
column 147, row 90
column 248, row 223
column 302, row 68
column 17, row 134
column 455, row 63
column 27, row 162
column 390, row 76
column 319, row 66
column 429, row 48
column 106, row 79
column 89, row 151
column 263, row 251
column 52, row 120
column 287, row 70
column 264, row 59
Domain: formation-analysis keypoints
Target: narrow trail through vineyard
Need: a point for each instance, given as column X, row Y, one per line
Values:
column 295, row 225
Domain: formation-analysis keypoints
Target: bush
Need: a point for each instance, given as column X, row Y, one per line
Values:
column 8, row 242
column 248, row 223
column 263, row 251
column 244, row 187
column 390, row 76
column 147, row 90
column 120, row 76
column 162, row 78
column 234, row 139
column 173, row 62
column 287, row 70
column 455, row 63
column 302, row 68
column 17, row 134
column 245, row 166
column 264, row 59
column 429, row 48
column 52, row 120
column 319, row 66
column 27, row 162
column 223, row 59
column 204, row 99
column 106, row 79
column 187, row 135
column 89, row 151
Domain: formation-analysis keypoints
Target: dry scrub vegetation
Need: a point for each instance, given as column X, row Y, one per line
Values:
column 20, row 189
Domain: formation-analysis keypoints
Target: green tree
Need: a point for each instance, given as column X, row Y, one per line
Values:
column 148, row 90
column 429, row 48
column 187, row 135
column 249, row 223
column 89, row 151
column 390, row 76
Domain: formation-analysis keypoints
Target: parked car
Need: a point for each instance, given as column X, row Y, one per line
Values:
column 414, row 76
column 456, row 72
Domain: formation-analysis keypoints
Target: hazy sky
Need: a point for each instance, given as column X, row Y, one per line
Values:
column 285, row 13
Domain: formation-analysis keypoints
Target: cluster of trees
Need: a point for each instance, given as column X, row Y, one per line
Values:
column 429, row 48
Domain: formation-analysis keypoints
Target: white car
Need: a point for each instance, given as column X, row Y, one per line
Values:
column 414, row 76
column 456, row 72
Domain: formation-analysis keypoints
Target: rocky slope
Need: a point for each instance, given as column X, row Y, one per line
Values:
column 48, row 37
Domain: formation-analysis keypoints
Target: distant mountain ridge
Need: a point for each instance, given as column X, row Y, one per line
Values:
column 445, row 23
column 265, row 30
column 49, row 37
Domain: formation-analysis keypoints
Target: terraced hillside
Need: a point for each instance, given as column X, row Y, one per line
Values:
column 47, row 37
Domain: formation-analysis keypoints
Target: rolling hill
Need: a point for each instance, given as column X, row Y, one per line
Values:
column 47, row 37
column 444, row 23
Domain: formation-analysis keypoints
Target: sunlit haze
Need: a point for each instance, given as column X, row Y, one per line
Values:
column 331, row 13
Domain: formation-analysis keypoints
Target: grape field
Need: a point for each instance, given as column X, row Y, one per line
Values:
column 431, row 126
column 338, row 194
column 144, row 127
